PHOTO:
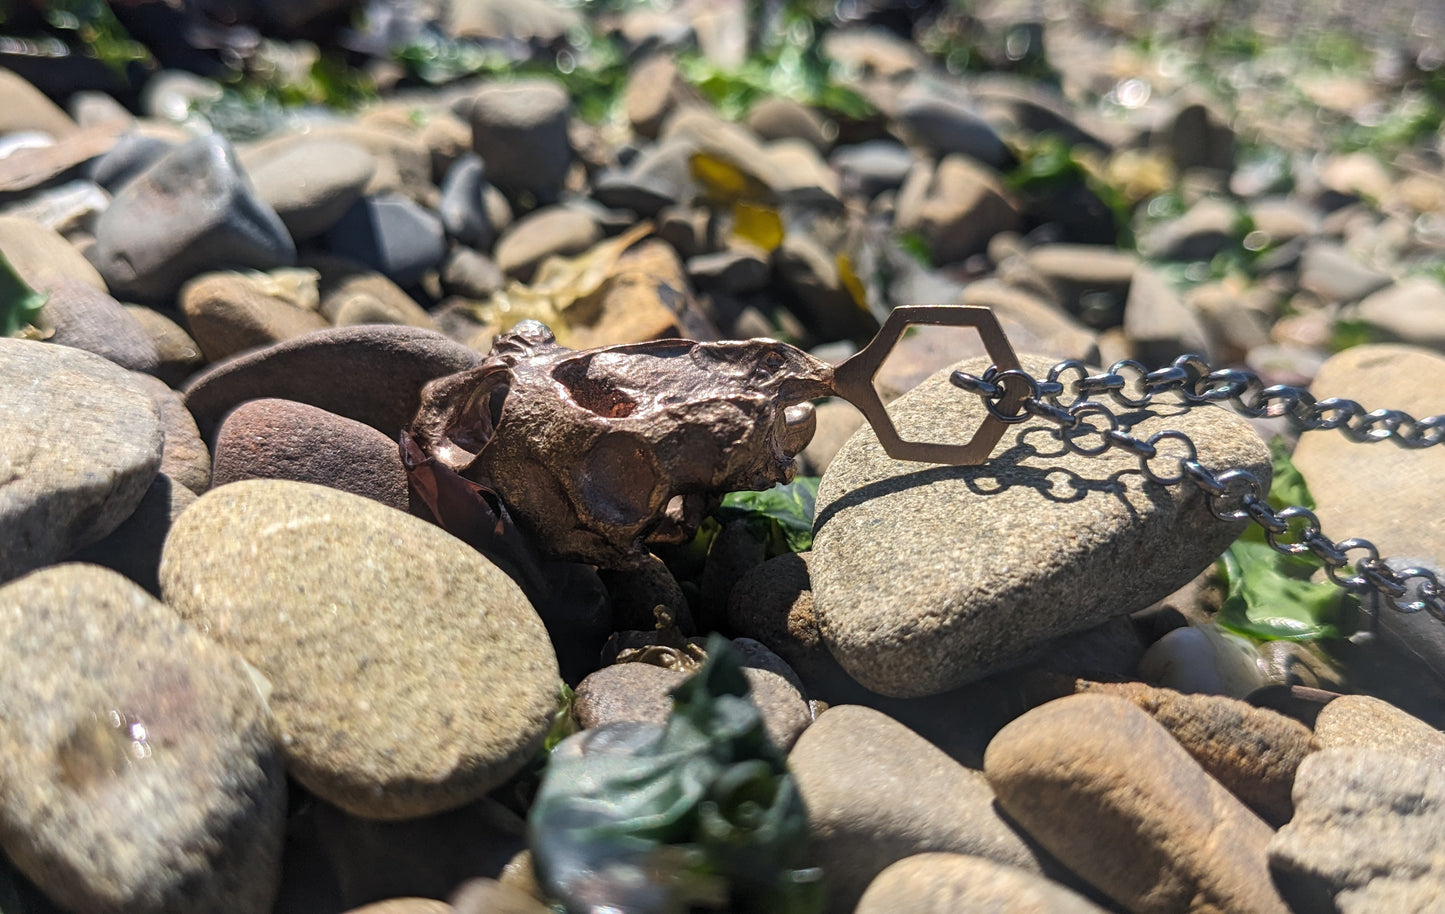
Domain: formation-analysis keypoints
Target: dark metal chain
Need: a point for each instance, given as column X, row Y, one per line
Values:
column 1089, row 427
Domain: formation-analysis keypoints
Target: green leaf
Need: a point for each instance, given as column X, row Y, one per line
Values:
column 790, row 506
column 1269, row 599
column 1271, row 595
column 563, row 724
column 1287, row 487
column 19, row 304
column 699, row 813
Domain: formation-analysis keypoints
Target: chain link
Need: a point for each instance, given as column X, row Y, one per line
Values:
column 1072, row 399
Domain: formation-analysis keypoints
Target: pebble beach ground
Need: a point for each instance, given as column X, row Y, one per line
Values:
column 243, row 669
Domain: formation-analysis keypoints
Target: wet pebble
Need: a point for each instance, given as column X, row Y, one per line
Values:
column 141, row 770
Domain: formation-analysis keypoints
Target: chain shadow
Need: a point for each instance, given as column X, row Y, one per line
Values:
column 1009, row 469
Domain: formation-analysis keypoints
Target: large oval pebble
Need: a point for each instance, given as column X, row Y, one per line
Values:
column 927, row 577
column 140, row 769
column 409, row 674
column 82, row 443
column 373, row 374
column 1108, row 792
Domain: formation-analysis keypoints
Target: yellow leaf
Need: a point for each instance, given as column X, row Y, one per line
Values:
column 759, row 225
column 722, row 180
column 850, row 281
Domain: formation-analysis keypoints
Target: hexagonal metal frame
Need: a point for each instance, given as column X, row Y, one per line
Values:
column 853, row 381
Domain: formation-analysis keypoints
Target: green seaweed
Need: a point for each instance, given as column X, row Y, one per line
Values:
column 19, row 304
column 699, row 814
column 1271, row 596
column 785, row 511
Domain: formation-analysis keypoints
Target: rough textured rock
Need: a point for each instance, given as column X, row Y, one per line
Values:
column 373, row 374
column 191, row 211
column 1253, row 752
column 953, row 883
column 83, row 444
column 140, row 769
column 436, row 683
column 282, row 439
column 1369, row 723
column 1365, row 836
column 877, row 792
column 1108, row 792
column 926, row 577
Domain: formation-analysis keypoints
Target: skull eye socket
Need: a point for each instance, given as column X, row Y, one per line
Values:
column 593, row 393
column 773, row 360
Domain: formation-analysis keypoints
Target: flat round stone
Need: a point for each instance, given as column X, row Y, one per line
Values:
column 409, row 674
column 928, row 577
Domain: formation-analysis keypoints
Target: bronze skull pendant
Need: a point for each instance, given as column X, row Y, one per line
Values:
column 595, row 454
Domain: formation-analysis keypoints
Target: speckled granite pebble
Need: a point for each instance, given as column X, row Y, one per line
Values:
column 410, row 675
column 1369, row 723
column 139, row 770
column 82, row 443
column 1366, row 834
column 927, row 577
